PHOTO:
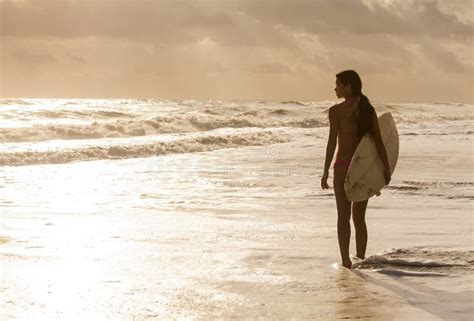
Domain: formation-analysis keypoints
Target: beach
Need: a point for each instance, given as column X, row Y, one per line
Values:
column 213, row 210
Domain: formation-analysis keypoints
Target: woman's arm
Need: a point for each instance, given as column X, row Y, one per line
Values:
column 380, row 146
column 331, row 146
column 332, row 140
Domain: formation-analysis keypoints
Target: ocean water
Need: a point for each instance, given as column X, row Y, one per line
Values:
column 212, row 210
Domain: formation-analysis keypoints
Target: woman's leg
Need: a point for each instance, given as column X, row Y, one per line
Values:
column 358, row 217
column 343, row 215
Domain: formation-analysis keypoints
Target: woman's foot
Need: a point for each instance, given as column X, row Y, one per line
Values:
column 347, row 263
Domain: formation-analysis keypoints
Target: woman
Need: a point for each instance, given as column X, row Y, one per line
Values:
column 349, row 121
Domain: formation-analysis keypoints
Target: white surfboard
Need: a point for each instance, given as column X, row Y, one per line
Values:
column 364, row 177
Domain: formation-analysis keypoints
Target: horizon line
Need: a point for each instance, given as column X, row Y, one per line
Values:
column 234, row 99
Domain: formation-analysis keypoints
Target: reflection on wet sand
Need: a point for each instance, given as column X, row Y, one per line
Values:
column 357, row 301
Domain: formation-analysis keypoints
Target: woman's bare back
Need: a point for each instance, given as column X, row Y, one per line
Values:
column 347, row 139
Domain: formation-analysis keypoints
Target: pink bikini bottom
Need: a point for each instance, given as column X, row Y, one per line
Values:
column 344, row 163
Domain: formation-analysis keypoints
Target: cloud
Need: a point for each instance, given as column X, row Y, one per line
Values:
column 358, row 17
column 34, row 58
column 229, row 22
column 75, row 58
column 162, row 22
column 242, row 47
column 444, row 59
column 271, row 68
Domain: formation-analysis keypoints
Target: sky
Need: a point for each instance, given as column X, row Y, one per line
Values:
column 404, row 51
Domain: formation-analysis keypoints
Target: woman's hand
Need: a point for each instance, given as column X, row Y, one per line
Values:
column 387, row 175
column 324, row 180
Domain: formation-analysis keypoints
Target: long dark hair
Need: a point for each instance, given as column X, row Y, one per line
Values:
column 366, row 110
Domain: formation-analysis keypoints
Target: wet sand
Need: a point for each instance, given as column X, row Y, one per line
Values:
column 260, row 247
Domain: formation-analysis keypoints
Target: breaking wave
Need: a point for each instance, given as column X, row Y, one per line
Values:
column 143, row 127
column 186, row 145
column 418, row 261
column 445, row 189
column 82, row 114
column 442, row 184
